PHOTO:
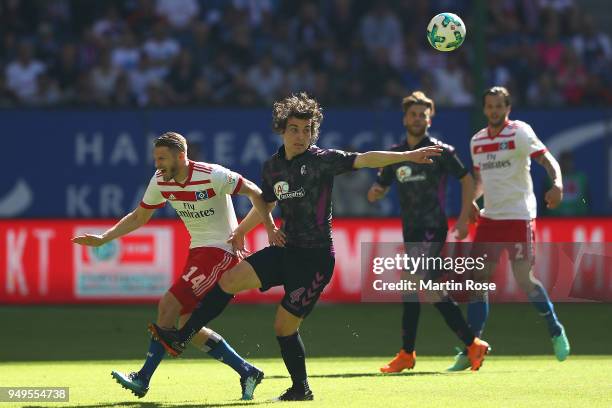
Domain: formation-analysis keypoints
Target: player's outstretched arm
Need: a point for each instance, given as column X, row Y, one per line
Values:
column 134, row 220
column 261, row 212
column 375, row 159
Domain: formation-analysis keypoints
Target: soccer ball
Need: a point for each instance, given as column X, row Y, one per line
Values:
column 446, row 32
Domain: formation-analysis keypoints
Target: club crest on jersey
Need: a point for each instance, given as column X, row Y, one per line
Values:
column 403, row 173
column 202, row 195
column 303, row 170
column 281, row 190
column 503, row 146
column 171, row 197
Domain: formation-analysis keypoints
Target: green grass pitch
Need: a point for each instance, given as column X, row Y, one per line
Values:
column 77, row 347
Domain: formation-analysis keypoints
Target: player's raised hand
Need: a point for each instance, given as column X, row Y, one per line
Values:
column 93, row 240
column 237, row 242
column 276, row 237
column 553, row 197
column 423, row 155
column 376, row 192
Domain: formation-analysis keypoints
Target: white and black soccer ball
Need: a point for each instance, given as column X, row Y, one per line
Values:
column 446, row 32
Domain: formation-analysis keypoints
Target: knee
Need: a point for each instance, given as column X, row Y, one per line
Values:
column 526, row 280
column 278, row 328
column 168, row 310
column 526, row 284
column 283, row 328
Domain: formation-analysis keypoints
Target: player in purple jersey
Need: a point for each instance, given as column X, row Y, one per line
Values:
column 424, row 221
column 299, row 178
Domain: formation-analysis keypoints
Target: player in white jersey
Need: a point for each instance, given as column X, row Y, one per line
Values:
column 200, row 194
column 502, row 154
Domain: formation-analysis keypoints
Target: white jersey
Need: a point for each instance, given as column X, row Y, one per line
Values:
column 504, row 161
column 202, row 202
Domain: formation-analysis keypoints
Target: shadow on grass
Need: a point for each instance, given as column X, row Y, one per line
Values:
column 358, row 375
column 164, row 405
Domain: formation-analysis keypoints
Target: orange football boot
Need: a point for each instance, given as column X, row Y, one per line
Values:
column 476, row 353
column 401, row 361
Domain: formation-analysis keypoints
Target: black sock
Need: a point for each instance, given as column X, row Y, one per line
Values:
column 410, row 321
column 454, row 319
column 294, row 356
column 210, row 307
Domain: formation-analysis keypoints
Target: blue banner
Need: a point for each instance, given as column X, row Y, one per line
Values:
column 81, row 164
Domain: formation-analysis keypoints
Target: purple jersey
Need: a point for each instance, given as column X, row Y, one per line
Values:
column 303, row 188
column 421, row 186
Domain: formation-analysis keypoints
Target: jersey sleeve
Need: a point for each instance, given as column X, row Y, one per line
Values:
column 336, row 162
column 384, row 176
column 530, row 143
column 451, row 163
column 226, row 181
column 152, row 197
column 266, row 188
column 475, row 163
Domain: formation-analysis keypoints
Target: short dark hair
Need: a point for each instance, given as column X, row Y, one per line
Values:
column 299, row 106
column 498, row 90
column 173, row 141
column 418, row 98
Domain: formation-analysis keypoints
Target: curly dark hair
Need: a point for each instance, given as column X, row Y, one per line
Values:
column 299, row 106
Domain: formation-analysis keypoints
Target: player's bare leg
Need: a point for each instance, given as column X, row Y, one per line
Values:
column 168, row 310
column 240, row 277
column 524, row 275
column 285, row 323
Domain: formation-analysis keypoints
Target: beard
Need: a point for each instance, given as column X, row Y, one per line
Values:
column 169, row 174
column 417, row 131
column 497, row 123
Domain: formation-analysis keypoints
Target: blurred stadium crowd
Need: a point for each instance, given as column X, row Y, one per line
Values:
column 156, row 53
